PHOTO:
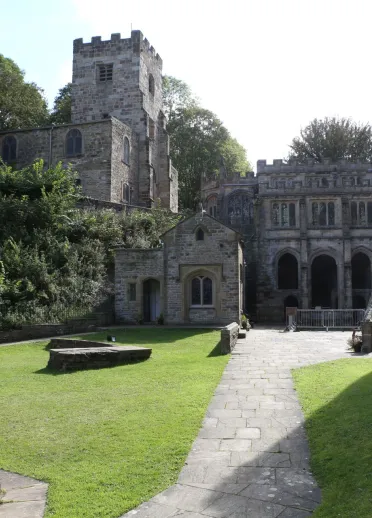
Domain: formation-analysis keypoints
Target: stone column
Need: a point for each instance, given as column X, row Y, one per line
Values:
column 304, row 286
column 304, row 273
column 348, row 301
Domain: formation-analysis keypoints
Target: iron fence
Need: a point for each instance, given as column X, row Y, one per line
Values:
column 328, row 318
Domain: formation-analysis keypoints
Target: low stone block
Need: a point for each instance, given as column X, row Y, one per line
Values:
column 95, row 357
column 229, row 337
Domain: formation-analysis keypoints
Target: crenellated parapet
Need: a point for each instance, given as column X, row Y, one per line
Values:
column 136, row 43
column 311, row 166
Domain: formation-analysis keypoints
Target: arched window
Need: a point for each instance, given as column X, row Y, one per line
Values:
column 240, row 209
column 9, row 149
column 126, row 155
column 212, row 206
column 200, row 235
column 151, row 84
column 74, row 143
column 201, row 291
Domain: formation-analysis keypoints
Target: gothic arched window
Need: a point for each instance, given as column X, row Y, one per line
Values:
column 201, row 291
column 74, row 143
column 240, row 209
column 200, row 235
column 126, row 154
column 9, row 149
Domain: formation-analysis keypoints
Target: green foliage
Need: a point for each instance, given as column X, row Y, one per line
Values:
column 335, row 398
column 107, row 440
column 333, row 138
column 198, row 140
column 55, row 255
column 22, row 104
column 61, row 113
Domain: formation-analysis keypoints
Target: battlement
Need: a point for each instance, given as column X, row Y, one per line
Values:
column 137, row 43
column 279, row 166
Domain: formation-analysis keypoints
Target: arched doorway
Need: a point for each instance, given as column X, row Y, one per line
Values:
column 287, row 272
column 290, row 302
column 361, row 272
column 359, row 302
column 151, row 300
column 324, row 282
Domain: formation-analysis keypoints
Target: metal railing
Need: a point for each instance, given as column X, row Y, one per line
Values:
column 328, row 318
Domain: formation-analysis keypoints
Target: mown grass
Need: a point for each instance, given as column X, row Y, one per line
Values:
column 337, row 402
column 107, row 439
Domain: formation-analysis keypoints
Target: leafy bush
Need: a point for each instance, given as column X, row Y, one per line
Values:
column 57, row 259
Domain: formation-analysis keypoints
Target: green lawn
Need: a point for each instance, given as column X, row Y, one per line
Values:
column 107, row 439
column 337, row 402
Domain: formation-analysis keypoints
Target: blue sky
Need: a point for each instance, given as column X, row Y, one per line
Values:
column 265, row 67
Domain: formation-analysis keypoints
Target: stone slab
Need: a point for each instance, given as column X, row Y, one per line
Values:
column 95, row 357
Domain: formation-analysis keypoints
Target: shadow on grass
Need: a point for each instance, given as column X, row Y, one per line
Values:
column 216, row 351
column 341, row 448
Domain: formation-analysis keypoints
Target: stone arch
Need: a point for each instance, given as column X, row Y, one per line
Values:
column 324, row 277
column 287, row 271
column 360, row 271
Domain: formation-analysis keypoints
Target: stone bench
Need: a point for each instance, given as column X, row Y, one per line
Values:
column 95, row 357
column 229, row 337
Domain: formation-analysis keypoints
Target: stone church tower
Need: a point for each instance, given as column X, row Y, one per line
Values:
column 122, row 78
column 117, row 139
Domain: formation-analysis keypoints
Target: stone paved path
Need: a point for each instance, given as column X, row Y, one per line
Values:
column 24, row 497
column 251, row 457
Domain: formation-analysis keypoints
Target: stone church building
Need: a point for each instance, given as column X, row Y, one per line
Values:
column 196, row 277
column 307, row 230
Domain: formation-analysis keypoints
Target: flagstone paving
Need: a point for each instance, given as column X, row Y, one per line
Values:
column 251, row 457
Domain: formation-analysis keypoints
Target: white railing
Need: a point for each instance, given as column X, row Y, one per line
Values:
column 328, row 318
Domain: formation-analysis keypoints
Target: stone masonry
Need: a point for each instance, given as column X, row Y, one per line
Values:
column 159, row 281
column 307, row 230
column 116, row 95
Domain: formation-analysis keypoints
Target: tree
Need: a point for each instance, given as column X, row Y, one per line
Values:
column 55, row 256
column 22, row 104
column 198, row 140
column 333, row 138
column 61, row 113
column 177, row 95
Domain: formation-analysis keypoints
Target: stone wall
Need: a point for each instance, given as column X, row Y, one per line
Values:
column 217, row 256
column 306, row 238
column 134, row 266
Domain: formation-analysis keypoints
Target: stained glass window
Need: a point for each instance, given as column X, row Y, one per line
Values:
column 362, row 213
column 196, row 292
column 322, row 214
column 292, row 215
column 207, row 291
column 354, row 213
column 331, row 213
column 275, row 214
column 74, row 143
column 9, row 149
column 315, row 210
column 201, row 291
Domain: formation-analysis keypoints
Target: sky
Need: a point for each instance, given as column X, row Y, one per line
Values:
column 265, row 67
